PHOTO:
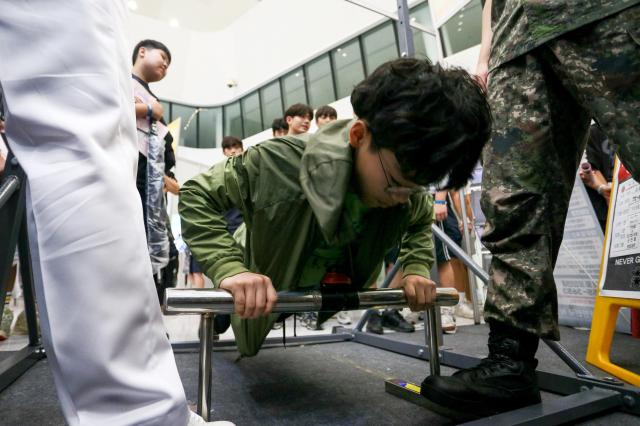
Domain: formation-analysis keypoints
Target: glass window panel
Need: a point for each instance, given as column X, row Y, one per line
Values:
column 425, row 44
column 379, row 46
column 252, row 120
column 293, row 88
column 233, row 120
column 209, row 127
column 188, row 129
column 320, row 81
column 463, row 30
column 167, row 110
column 348, row 71
column 271, row 103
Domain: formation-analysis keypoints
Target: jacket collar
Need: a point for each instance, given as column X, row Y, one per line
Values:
column 327, row 166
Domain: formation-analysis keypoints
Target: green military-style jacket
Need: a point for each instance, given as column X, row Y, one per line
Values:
column 291, row 192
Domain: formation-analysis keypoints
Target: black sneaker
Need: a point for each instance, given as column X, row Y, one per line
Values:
column 503, row 381
column 374, row 324
column 392, row 319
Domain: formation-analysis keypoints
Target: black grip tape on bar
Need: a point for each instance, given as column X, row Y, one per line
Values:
column 335, row 301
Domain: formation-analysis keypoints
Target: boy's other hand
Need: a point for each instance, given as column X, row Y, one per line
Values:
column 253, row 294
column 420, row 292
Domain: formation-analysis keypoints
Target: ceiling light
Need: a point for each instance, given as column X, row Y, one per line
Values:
column 460, row 23
column 461, row 16
column 339, row 49
column 132, row 5
column 297, row 74
column 173, row 22
column 459, row 29
column 344, row 54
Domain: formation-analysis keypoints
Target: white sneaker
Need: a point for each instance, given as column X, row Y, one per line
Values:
column 448, row 320
column 343, row 318
column 464, row 310
column 196, row 420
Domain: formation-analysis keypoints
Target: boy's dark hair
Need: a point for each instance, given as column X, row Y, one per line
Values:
column 149, row 44
column 435, row 120
column 326, row 111
column 230, row 142
column 298, row 110
column 279, row 124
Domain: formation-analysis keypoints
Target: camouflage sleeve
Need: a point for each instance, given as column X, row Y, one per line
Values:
column 416, row 252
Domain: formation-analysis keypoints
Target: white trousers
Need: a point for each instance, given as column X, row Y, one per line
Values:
column 65, row 73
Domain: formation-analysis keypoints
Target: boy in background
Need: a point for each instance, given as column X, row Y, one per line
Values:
column 298, row 118
column 325, row 114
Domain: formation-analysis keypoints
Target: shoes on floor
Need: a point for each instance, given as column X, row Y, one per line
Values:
column 448, row 320
column 5, row 323
column 391, row 318
column 196, row 420
column 464, row 309
column 415, row 317
column 506, row 380
column 374, row 324
column 343, row 318
column 310, row 320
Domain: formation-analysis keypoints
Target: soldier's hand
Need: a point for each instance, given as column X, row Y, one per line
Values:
column 420, row 292
column 253, row 294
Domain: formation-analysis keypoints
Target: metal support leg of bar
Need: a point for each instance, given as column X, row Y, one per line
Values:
column 204, row 376
column 387, row 282
column 434, row 355
column 467, row 248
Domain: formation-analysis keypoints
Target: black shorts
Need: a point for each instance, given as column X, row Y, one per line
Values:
column 194, row 267
column 450, row 228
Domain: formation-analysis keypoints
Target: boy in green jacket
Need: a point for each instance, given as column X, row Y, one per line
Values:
column 338, row 200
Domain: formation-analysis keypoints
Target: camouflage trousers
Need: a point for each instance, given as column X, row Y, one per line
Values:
column 542, row 105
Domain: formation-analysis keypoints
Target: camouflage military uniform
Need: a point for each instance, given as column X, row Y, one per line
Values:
column 554, row 66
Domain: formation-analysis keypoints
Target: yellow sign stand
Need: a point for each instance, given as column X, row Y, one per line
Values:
column 609, row 301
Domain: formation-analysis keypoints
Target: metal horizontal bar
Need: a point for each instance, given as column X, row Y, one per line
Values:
column 17, row 364
column 415, row 25
column 550, row 412
column 223, row 345
column 10, row 185
column 202, row 301
column 556, row 411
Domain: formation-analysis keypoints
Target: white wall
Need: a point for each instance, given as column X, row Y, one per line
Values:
column 270, row 39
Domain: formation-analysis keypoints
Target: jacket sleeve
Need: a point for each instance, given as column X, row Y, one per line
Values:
column 203, row 201
column 416, row 253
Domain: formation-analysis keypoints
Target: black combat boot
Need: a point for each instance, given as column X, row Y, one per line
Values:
column 504, row 381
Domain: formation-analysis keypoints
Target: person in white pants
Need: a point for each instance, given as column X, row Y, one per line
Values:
column 68, row 97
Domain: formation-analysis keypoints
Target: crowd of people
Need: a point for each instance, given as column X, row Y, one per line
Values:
column 344, row 201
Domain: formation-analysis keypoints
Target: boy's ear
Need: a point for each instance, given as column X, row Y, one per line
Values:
column 357, row 133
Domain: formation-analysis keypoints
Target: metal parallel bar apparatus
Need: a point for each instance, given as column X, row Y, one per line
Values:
column 208, row 302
